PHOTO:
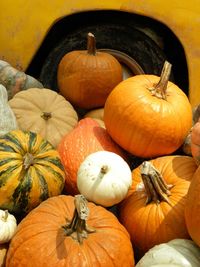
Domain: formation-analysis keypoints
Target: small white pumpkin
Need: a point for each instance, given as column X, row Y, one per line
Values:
column 104, row 178
column 8, row 120
column 8, row 226
column 177, row 252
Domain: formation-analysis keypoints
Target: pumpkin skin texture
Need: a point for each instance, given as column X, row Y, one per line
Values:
column 45, row 112
column 41, row 238
column 175, row 253
column 15, row 80
column 30, row 171
column 3, row 252
column 145, row 120
column 86, row 138
column 86, row 77
column 192, row 208
column 162, row 220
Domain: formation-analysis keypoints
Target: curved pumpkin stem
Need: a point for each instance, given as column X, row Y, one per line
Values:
column 160, row 88
column 156, row 188
column 91, row 44
column 77, row 228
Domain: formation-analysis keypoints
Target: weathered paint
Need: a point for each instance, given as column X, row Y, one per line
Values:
column 24, row 24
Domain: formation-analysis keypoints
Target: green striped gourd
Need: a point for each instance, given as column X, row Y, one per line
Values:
column 30, row 171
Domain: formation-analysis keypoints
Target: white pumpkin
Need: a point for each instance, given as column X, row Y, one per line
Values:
column 8, row 226
column 177, row 252
column 8, row 120
column 104, row 178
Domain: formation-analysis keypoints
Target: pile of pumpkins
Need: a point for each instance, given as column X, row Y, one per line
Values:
column 117, row 184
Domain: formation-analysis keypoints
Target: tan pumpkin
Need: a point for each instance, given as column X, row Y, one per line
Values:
column 45, row 112
column 147, row 115
column 3, row 252
column 97, row 115
column 86, row 77
column 15, row 80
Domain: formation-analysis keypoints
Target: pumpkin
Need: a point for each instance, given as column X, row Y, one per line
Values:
column 7, row 117
column 86, row 138
column 30, row 171
column 186, row 147
column 8, row 226
column 86, row 77
column 96, row 114
column 15, row 80
column 69, row 231
column 147, row 115
column 45, row 112
column 3, row 252
column 157, row 199
column 192, row 208
column 175, row 253
column 104, row 178
column 195, row 142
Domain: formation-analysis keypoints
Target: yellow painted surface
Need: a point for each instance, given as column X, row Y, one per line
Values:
column 25, row 23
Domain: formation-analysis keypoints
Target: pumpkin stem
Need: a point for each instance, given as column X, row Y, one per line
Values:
column 91, row 44
column 161, row 87
column 77, row 228
column 5, row 216
column 156, row 188
column 46, row 115
column 28, row 160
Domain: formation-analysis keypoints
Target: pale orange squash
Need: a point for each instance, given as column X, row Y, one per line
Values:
column 45, row 112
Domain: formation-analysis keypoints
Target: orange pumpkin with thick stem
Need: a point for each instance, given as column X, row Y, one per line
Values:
column 157, row 199
column 87, row 137
column 86, row 77
column 68, row 231
column 147, row 115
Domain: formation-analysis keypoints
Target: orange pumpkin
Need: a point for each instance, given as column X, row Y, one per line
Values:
column 87, row 137
column 153, row 212
column 192, row 208
column 60, row 232
column 147, row 115
column 86, row 77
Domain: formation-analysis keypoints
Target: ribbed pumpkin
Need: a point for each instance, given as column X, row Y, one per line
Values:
column 15, row 80
column 192, row 208
column 86, row 77
column 153, row 212
column 30, row 171
column 86, row 138
column 147, row 115
column 68, row 231
column 45, row 112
